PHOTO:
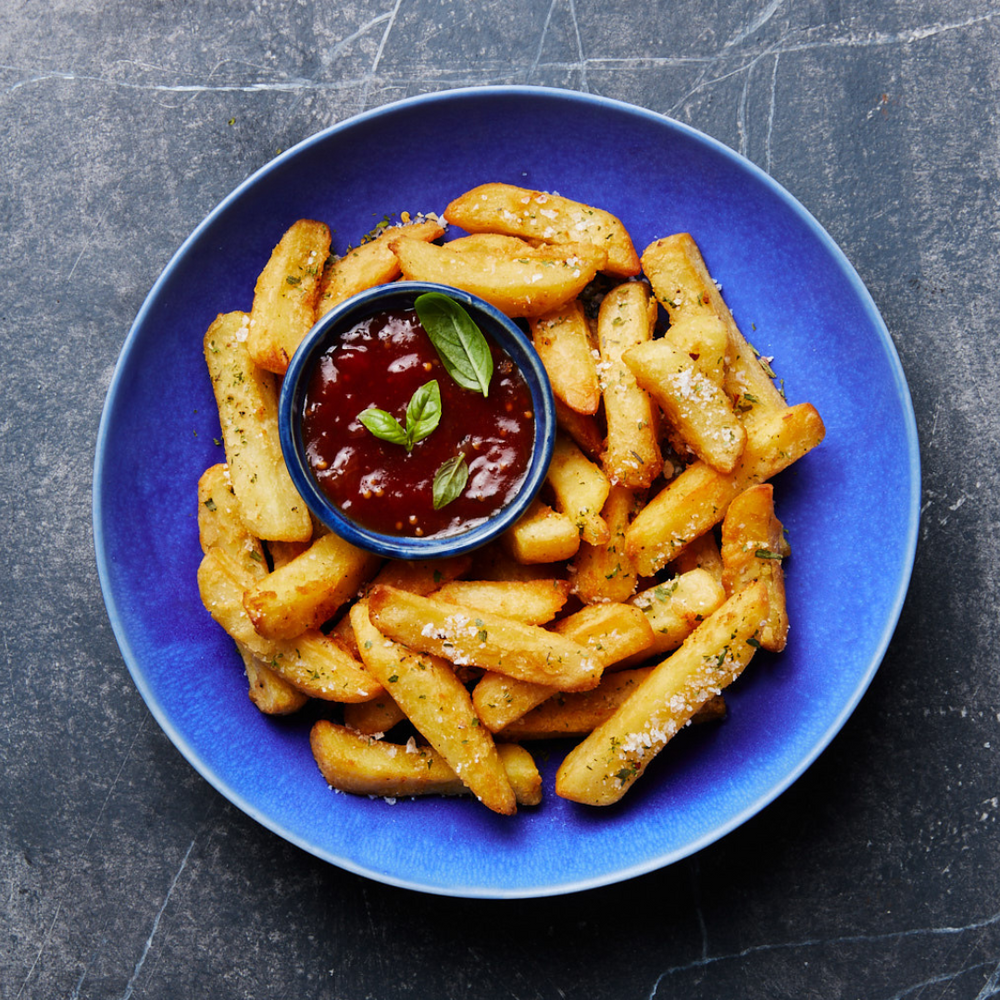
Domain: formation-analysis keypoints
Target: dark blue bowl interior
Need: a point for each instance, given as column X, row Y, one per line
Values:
column 851, row 507
column 401, row 295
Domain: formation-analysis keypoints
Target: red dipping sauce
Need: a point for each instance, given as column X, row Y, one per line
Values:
column 383, row 487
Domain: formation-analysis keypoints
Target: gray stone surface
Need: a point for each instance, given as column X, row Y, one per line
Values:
column 124, row 874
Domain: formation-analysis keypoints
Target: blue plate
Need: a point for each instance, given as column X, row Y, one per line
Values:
column 851, row 507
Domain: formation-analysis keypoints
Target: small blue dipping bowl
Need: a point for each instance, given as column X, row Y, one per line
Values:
column 401, row 295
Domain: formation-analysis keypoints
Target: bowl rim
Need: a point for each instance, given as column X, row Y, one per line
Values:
column 507, row 334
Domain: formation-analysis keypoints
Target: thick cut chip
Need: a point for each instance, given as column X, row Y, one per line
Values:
column 632, row 456
column 752, row 543
column 247, row 397
column 436, row 702
column 605, row 572
column 675, row 608
column 306, row 592
column 269, row 691
column 581, row 489
column 698, row 498
column 604, row 766
column 697, row 409
column 562, row 339
column 516, row 211
column 284, row 299
column 351, row 762
column 703, row 337
column 682, row 282
column 542, row 536
column 518, row 286
column 220, row 522
column 375, row 717
column 480, row 639
column 533, row 602
column 373, row 263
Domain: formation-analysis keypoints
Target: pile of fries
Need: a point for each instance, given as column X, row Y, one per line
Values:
column 638, row 586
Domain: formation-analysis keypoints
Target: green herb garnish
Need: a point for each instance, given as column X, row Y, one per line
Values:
column 449, row 481
column 423, row 414
column 459, row 343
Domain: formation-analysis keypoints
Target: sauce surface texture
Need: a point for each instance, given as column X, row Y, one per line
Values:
column 383, row 487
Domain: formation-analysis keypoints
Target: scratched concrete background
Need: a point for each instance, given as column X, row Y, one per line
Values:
column 123, row 874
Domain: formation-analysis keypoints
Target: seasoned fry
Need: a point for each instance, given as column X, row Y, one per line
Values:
column 581, row 489
column 697, row 408
column 522, row 286
column 697, row 499
column 542, row 536
column 632, row 456
column 582, row 428
column 702, row 337
column 373, row 263
column 306, row 592
column 605, row 572
column 700, row 553
column 354, row 763
column 752, row 538
column 375, row 717
column 434, row 700
column 562, row 339
column 604, row 766
column 247, row 398
column 480, row 639
column 676, row 607
column 504, row 208
column 682, row 283
column 533, row 602
column 284, row 300
column 269, row 691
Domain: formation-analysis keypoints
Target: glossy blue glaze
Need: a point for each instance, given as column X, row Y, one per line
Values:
column 851, row 506
column 397, row 296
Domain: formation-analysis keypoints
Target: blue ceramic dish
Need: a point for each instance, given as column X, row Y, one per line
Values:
column 789, row 287
column 397, row 296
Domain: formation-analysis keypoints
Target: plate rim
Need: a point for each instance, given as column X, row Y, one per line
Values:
column 662, row 860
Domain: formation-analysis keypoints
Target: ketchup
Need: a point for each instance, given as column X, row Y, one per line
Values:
column 380, row 485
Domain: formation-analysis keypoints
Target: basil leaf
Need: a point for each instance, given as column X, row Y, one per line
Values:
column 460, row 344
column 423, row 412
column 449, row 481
column 384, row 426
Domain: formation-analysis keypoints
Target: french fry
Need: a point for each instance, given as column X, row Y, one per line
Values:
column 542, row 536
column 697, row 408
column 613, row 632
column 601, row 769
column 284, row 300
column 581, row 489
column 605, row 572
column 221, row 526
column 632, row 456
column 698, row 498
column 373, row 263
column 702, row 336
column 675, row 608
column 701, row 553
column 518, row 286
column 562, row 340
column 435, row 701
column 752, row 539
column 354, row 763
column 311, row 662
column 247, row 398
column 504, row 208
column 582, row 428
column 533, row 602
column 270, row 693
column 480, row 639
column 682, row 283
column 375, row 717
column 306, row 592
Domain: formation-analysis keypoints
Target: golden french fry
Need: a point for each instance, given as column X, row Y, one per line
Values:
column 698, row 498
column 481, row 639
column 284, row 300
column 435, row 701
column 582, row 428
column 698, row 409
column 518, row 286
column 247, row 398
column 306, row 592
column 509, row 246
column 601, row 769
column 580, row 489
column 605, row 572
column 562, row 340
column 700, row 553
column 675, row 608
column 375, row 717
column 533, row 602
column 220, row 523
column 632, row 456
column 504, row 208
column 752, row 538
column 269, row 691
column 613, row 632
column 681, row 281
column 703, row 337
column 312, row 662
column 351, row 762
column 542, row 536
column 373, row 263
